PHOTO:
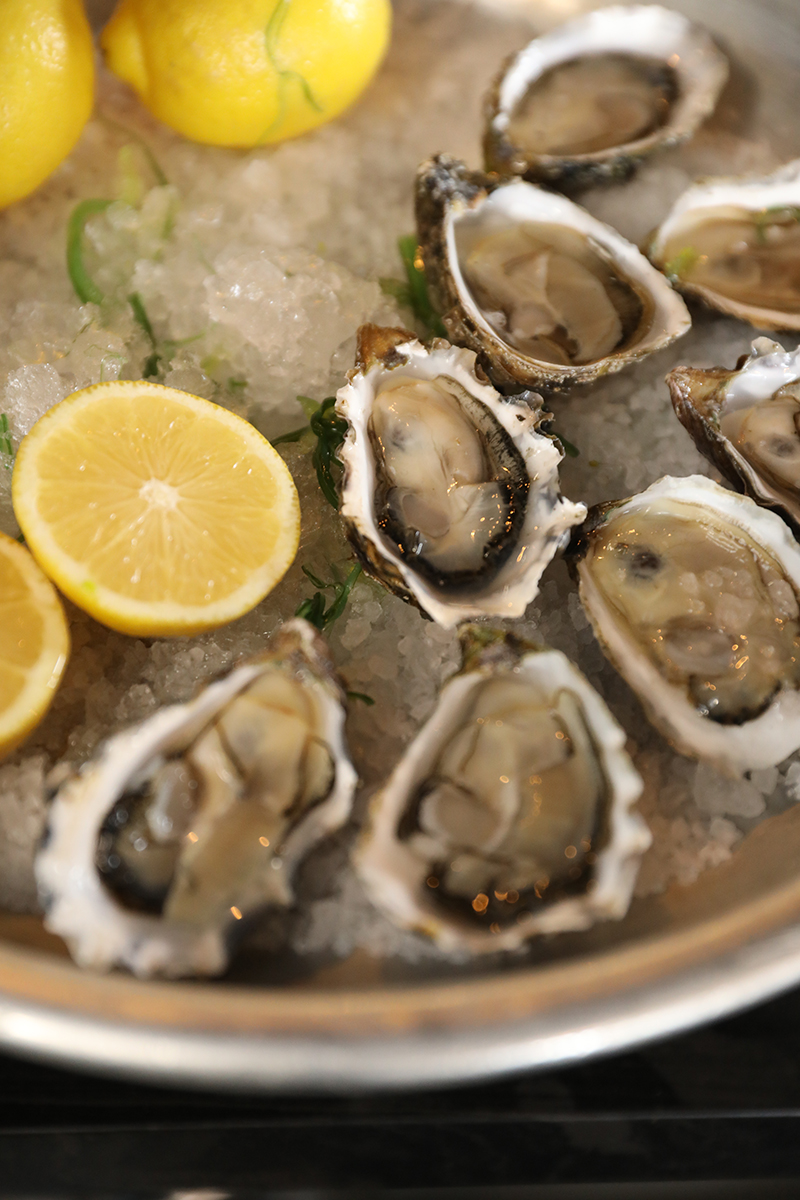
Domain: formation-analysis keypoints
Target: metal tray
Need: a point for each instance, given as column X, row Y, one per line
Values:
column 690, row 955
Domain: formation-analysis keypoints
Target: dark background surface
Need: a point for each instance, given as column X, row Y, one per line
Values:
column 719, row 1104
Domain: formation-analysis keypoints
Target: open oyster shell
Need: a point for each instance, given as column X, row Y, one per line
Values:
column 510, row 814
column 186, row 825
column 585, row 103
column 747, row 423
column 450, row 495
column 735, row 244
column 546, row 294
column 692, row 591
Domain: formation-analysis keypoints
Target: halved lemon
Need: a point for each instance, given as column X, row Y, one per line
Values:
column 155, row 511
column 34, row 644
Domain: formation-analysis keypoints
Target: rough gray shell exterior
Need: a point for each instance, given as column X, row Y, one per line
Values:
column 395, row 877
column 447, row 189
column 100, row 932
column 699, row 396
column 548, row 516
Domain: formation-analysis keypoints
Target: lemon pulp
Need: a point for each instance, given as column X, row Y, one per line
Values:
column 155, row 511
column 34, row 644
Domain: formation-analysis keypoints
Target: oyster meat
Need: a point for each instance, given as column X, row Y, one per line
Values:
column 583, row 104
column 693, row 591
column 511, row 812
column 735, row 244
column 747, row 422
column 450, row 494
column 192, row 822
column 543, row 292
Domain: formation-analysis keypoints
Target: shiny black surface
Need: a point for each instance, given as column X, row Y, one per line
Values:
column 722, row 1103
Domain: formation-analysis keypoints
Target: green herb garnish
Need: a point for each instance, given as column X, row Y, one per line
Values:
column 682, row 261
column 314, row 610
column 570, row 450
column 85, row 287
column 398, row 289
column 294, row 435
column 413, row 293
column 6, row 445
column 329, row 430
column 772, row 216
column 152, row 161
column 285, row 74
column 141, row 318
column 362, row 696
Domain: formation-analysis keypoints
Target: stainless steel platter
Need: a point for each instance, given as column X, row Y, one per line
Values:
column 688, row 955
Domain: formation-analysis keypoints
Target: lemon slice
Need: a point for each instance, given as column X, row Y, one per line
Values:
column 34, row 644
column 156, row 512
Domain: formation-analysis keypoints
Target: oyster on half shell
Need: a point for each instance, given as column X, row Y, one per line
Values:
column 583, row 104
column 692, row 591
column 188, row 824
column 747, row 423
column 546, row 294
column 510, row 814
column 735, row 245
column 450, row 494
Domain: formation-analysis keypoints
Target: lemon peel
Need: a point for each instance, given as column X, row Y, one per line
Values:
column 246, row 72
column 47, row 69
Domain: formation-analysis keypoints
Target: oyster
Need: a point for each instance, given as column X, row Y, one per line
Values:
column 693, row 591
column 511, row 812
column 747, row 422
column 735, row 244
column 450, row 495
column 542, row 291
column 189, row 823
column 585, row 103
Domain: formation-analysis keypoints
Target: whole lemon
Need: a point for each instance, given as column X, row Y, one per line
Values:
column 46, row 89
column 246, row 72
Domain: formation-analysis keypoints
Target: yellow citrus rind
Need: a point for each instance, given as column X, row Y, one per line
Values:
column 47, row 69
column 247, row 72
column 155, row 511
column 34, row 644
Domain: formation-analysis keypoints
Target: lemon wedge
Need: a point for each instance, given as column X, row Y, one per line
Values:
column 34, row 644
column 156, row 512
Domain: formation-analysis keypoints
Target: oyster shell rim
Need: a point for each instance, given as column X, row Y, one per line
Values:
column 101, row 933
column 445, row 191
column 516, row 583
column 699, row 88
column 379, row 857
column 715, row 192
column 712, row 442
column 732, row 749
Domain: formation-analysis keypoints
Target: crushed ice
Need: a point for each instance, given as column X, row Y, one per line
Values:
column 254, row 271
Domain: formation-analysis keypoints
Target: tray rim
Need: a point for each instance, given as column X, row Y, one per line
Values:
column 432, row 1057
column 254, row 1038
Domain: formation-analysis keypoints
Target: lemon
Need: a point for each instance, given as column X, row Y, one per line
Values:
column 34, row 644
column 245, row 72
column 47, row 72
column 156, row 512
